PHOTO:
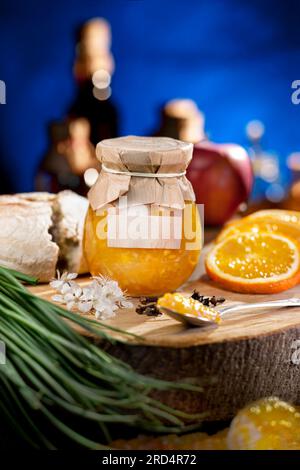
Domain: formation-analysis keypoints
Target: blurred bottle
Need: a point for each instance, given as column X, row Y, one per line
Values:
column 93, row 69
column 268, row 189
column 292, row 202
column 70, row 162
column 182, row 119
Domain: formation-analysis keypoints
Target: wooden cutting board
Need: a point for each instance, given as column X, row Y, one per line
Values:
column 249, row 356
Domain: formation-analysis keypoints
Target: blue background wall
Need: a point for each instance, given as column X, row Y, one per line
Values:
column 236, row 58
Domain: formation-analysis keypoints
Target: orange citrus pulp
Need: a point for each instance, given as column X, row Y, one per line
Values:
column 250, row 262
column 268, row 424
column 182, row 304
column 272, row 220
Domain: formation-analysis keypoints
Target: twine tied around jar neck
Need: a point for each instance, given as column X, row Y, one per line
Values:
column 142, row 175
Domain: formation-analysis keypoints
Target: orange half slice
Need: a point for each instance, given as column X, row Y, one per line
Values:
column 273, row 220
column 258, row 263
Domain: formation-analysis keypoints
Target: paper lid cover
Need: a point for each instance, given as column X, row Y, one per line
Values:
column 145, row 155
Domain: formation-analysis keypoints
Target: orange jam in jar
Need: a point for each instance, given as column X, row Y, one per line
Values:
column 142, row 271
column 153, row 245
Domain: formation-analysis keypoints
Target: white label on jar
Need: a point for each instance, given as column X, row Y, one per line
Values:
column 144, row 227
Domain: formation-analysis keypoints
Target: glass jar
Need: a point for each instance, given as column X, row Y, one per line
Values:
column 151, row 263
column 143, row 271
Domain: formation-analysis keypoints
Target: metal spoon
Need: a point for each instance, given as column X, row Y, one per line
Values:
column 241, row 308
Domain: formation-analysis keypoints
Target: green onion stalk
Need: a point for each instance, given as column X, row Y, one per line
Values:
column 56, row 383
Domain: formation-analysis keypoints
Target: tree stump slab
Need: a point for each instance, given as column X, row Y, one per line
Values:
column 249, row 356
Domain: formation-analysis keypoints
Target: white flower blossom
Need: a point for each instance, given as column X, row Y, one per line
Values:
column 126, row 304
column 58, row 298
column 113, row 291
column 69, row 296
column 102, row 296
column 63, row 280
column 105, row 308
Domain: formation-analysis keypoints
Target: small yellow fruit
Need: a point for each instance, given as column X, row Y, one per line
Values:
column 268, row 424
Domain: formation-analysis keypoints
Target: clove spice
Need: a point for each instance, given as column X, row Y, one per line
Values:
column 207, row 301
column 148, row 307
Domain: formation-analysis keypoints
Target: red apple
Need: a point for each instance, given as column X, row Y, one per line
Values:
column 222, row 177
